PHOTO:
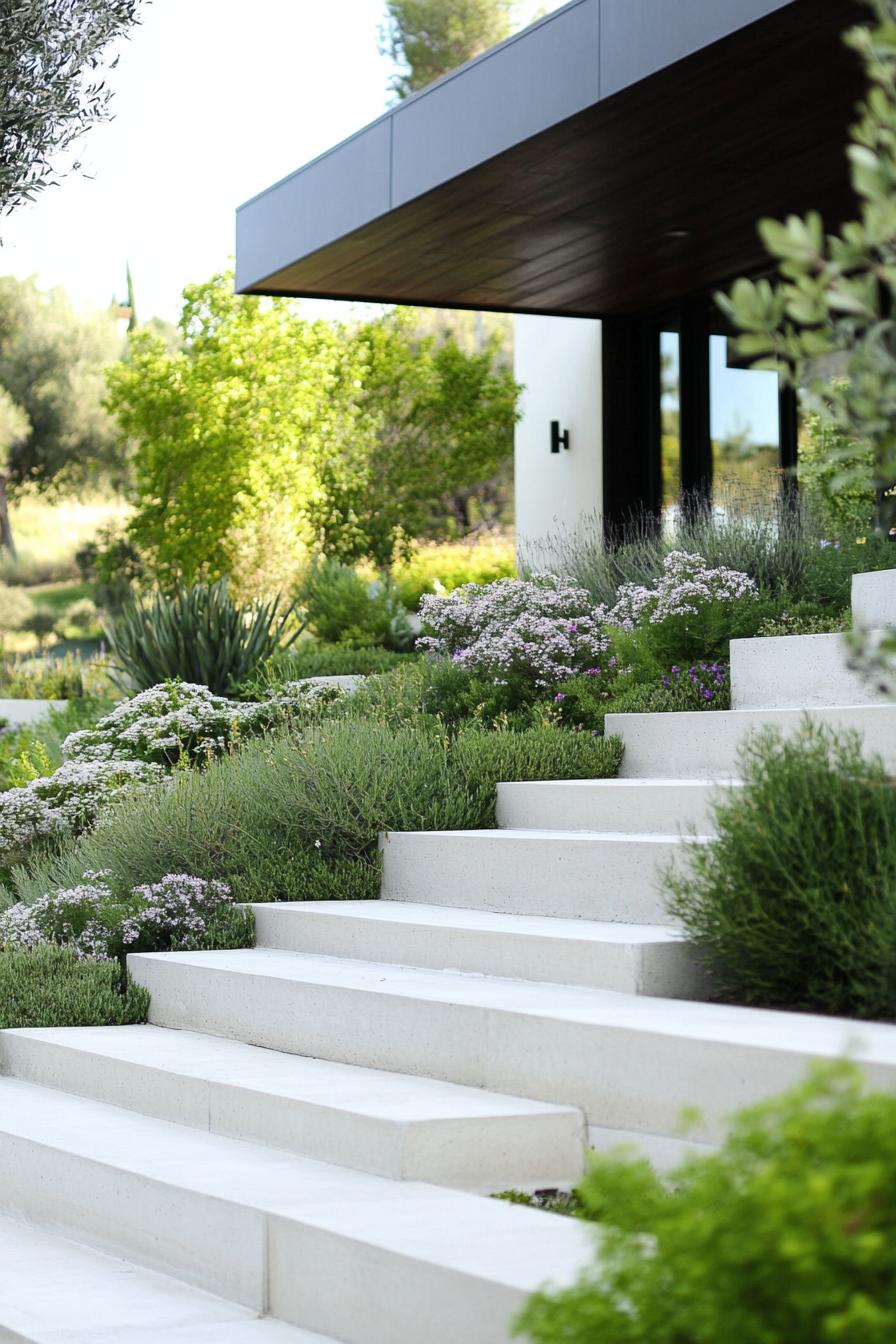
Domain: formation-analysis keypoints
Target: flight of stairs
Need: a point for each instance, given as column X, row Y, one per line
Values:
column 297, row 1147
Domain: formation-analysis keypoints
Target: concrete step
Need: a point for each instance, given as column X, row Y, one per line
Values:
column 874, row 599
column 629, row 1062
column 54, row 1291
column 704, row 744
column 796, row 672
column 386, row 1123
column 353, row 1256
column 637, row 958
column 632, row 806
column 582, row 875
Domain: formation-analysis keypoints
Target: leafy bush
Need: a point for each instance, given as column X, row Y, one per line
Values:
column 784, row 1235
column 343, row 608
column 176, row 912
column 794, row 902
column 296, row 816
column 804, row 618
column 113, row 565
column 52, row 987
column 41, row 623
column 440, row 568
column 198, row 635
column 315, row 658
column 826, row 455
column 541, row 631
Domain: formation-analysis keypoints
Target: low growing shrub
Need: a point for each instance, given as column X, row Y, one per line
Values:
column 794, row 901
column 343, row 608
column 441, row 567
column 297, row 816
column 784, row 1235
column 315, row 658
column 199, row 635
column 52, row 987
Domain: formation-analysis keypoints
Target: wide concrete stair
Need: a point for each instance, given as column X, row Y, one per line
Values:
column 298, row 1146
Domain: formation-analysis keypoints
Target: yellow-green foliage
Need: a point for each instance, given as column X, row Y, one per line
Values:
column 786, row 1236
column 437, row 566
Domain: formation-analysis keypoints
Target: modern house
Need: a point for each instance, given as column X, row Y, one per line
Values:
column 600, row 174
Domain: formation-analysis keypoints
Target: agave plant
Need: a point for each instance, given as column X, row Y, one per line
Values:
column 197, row 634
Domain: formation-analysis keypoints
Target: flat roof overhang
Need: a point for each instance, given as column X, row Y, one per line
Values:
column 611, row 158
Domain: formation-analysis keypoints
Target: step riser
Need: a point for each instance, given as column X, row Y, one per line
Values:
column 666, row 970
column 796, row 671
column 516, row 873
column 302, row 1274
column 608, row 805
column 468, row 1154
column 621, row 1076
column 204, row 1241
column 705, row 745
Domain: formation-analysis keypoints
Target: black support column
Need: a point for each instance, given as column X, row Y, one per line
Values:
column 631, row 422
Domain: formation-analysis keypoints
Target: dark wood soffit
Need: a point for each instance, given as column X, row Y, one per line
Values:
column 576, row 220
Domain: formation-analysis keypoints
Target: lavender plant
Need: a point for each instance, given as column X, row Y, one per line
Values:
column 177, row 911
column 543, row 630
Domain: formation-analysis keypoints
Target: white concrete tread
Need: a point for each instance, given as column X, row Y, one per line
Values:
column 369, row 1260
column 640, row 958
column 390, row 1124
column 628, row 1061
column 704, row 744
column 598, row 875
column 662, row 806
column 54, row 1291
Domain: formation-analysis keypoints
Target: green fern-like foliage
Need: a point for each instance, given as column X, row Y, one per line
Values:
column 197, row 634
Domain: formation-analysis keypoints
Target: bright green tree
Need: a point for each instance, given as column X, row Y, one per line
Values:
column 839, row 292
column 428, row 423
column 431, row 37
column 263, row 433
column 51, row 87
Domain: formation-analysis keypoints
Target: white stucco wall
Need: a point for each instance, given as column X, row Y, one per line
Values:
column 558, row 359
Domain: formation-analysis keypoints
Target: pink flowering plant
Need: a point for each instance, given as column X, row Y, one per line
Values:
column 177, row 912
column 541, row 630
column 690, row 612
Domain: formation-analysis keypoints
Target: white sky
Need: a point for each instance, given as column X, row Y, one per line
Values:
column 214, row 100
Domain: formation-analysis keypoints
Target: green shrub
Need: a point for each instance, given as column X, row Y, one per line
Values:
column 315, row 658
column 785, row 1236
column 804, row 618
column 442, row 567
column 297, row 817
column 826, row 456
column 794, row 902
column 15, row 608
column 50, row 987
column 198, row 635
column 43, row 678
column 343, row 608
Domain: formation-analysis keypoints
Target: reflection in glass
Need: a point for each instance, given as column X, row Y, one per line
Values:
column 670, row 419
column 744, row 425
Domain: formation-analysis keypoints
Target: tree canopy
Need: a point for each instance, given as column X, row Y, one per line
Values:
column 51, row 87
column 264, row 433
column 52, row 363
column 431, row 37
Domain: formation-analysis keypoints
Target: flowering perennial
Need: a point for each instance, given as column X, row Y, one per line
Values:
column 705, row 682
column 544, row 628
column 89, row 920
column 686, row 586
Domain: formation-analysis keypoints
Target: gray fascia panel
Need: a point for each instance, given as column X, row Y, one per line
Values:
column 640, row 37
column 565, row 62
column 507, row 96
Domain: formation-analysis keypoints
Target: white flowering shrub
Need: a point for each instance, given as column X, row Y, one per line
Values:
column 69, row 800
column 690, row 612
column 543, row 630
column 176, row 911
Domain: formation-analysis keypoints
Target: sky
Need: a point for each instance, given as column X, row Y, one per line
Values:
column 214, row 101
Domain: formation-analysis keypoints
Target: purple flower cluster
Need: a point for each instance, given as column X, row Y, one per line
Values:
column 89, row 920
column 686, row 585
column 706, row 679
column 545, row 628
